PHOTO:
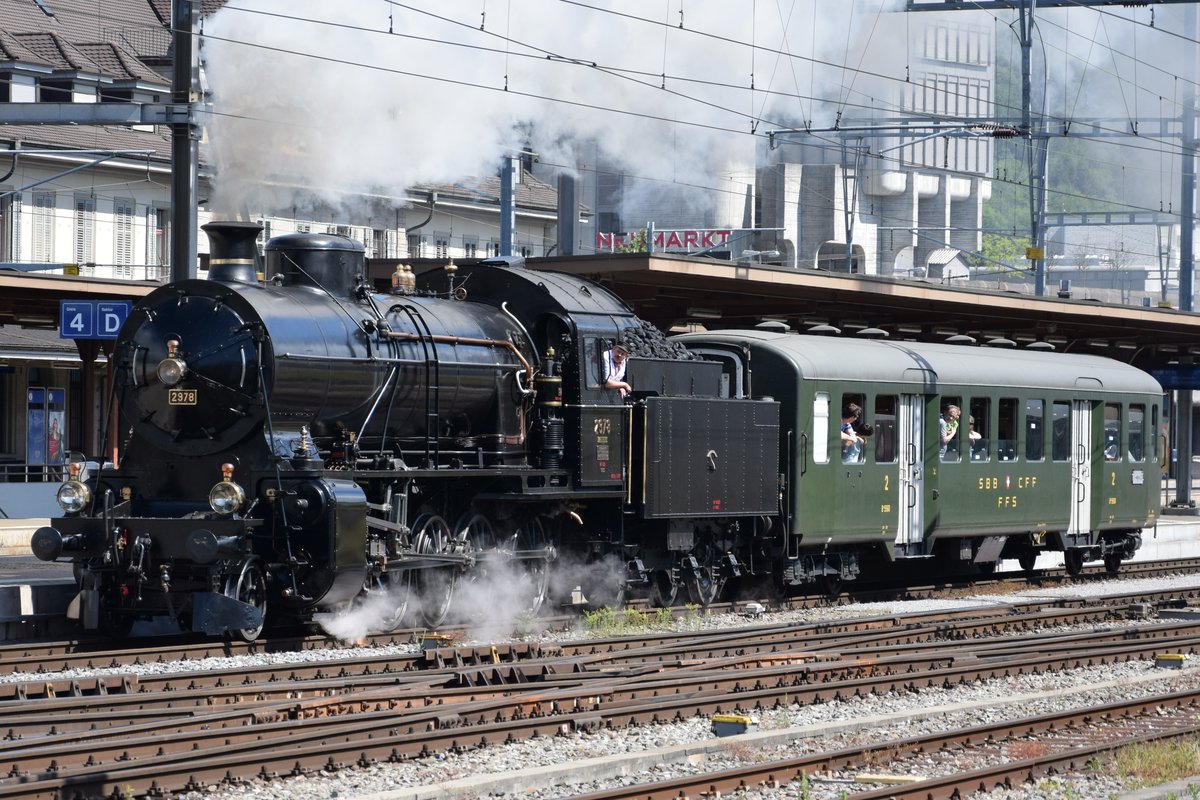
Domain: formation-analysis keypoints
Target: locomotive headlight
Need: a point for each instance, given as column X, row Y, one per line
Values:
column 226, row 497
column 73, row 496
column 172, row 369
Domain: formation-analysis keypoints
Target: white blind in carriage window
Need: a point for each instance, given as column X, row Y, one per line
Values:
column 820, row 437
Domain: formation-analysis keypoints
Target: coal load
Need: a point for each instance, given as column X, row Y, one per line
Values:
column 648, row 341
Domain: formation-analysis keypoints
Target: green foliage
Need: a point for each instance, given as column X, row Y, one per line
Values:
column 636, row 243
column 1082, row 174
column 1153, row 764
column 606, row 621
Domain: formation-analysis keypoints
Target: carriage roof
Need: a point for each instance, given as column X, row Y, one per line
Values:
column 931, row 365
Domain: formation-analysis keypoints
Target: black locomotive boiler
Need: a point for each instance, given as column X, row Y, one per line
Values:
column 302, row 442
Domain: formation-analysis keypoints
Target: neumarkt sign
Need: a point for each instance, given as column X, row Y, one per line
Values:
column 92, row 319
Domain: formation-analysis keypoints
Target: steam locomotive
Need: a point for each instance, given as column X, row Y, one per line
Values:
column 301, row 442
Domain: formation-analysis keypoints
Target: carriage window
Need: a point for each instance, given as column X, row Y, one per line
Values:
column 853, row 431
column 950, row 429
column 1112, row 432
column 821, row 428
column 1035, row 429
column 978, row 433
column 1137, row 433
column 884, row 434
column 1060, row 442
column 1006, row 430
column 1154, row 435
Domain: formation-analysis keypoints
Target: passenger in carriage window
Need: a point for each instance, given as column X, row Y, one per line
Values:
column 975, row 438
column 852, row 439
column 980, row 434
column 948, row 433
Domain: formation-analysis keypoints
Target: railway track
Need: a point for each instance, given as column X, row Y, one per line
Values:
column 1077, row 737
column 176, row 731
column 40, row 657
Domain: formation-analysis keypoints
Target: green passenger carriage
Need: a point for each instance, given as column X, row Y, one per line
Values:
column 1064, row 453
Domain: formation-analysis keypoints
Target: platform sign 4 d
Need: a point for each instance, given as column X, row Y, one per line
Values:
column 92, row 319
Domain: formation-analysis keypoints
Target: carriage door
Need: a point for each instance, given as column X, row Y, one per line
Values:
column 1081, row 466
column 910, row 530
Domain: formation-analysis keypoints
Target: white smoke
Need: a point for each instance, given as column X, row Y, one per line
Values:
column 320, row 100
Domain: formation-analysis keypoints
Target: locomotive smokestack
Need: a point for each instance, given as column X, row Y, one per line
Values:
column 233, row 251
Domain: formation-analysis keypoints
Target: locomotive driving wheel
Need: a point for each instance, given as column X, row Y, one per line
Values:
column 249, row 586
column 474, row 534
column 435, row 585
column 535, row 572
column 394, row 588
column 1027, row 560
column 604, row 583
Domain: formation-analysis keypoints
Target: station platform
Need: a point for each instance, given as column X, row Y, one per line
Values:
column 34, row 594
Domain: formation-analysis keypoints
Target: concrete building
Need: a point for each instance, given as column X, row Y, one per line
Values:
column 873, row 197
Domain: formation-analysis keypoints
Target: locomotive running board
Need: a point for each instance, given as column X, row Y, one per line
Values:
column 214, row 613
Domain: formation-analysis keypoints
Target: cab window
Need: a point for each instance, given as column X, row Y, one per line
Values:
column 594, row 361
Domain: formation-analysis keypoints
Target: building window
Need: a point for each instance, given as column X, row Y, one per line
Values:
column 54, row 91
column 441, row 243
column 416, row 246
column 43, row 226
column 378, row 243
column 85, row 225
column 303, row 227
column 493, row 249
column 123, row 211
column 5, row 87
column 470, row 247
column 10, row 225
column 109, row 95
column 158, row 237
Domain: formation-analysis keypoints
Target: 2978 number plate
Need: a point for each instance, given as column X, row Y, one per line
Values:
column 182, row 397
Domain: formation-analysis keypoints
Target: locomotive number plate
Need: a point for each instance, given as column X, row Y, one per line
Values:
column 182, row 397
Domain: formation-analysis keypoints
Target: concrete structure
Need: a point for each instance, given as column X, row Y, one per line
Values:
column 872, row 198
